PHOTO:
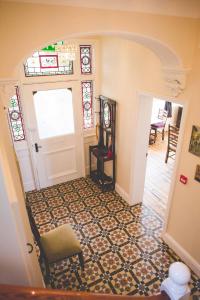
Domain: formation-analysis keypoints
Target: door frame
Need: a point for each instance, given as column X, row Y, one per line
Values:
column 28, row 129
column 142, row 130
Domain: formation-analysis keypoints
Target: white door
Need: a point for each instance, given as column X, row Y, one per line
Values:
column 53, row 115
column 140, row 154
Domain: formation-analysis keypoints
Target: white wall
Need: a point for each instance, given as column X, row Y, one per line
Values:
column 16, row 264
column 183, row 226
column 128, row 68
column 12, row 266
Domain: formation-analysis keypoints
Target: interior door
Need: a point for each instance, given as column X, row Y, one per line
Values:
column 53, row 114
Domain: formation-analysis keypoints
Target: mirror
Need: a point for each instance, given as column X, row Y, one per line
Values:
column 107, row 114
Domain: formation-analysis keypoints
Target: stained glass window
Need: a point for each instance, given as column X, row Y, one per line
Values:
column 16, row 119
column 87, row 98
column 48, row 62
column 86, row 59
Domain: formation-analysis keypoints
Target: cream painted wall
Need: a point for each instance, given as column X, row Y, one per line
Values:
column 184, row 216
column 24, row 27
column 128, row 68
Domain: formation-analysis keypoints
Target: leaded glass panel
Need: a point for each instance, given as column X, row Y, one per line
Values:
column 86, row 59
column 48, row 62
column 16, row 119
column 87, row 98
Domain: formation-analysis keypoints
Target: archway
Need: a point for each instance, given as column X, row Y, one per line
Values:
column 170, row 62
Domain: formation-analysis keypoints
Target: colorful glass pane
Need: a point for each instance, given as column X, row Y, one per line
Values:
column 87, row 98
column 86, row 59
column 16, row 120
column 48, row 62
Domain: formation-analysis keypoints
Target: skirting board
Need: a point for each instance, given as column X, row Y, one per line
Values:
column 184, row 255
column 87, row 169
column 29, row 186
column 122, row 193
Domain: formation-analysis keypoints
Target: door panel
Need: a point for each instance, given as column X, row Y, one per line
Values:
column 54, row 119
column 59, row 159
column 54, row 112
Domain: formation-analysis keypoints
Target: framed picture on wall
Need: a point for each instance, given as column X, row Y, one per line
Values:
column 194, row 147
column 197, row 173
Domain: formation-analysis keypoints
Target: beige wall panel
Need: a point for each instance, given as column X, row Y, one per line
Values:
column 24, row 27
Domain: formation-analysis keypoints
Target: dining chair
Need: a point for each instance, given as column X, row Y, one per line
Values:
column 160, row 125
column 173, row 133
column 56, row 244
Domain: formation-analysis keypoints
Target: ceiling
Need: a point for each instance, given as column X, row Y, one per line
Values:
column 182, row 8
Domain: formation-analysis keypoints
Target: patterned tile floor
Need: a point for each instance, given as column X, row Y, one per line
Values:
column 122, row 248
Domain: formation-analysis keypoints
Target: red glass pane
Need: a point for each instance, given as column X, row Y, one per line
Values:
column 86, row 59
column 87, row 102
column 16, row 119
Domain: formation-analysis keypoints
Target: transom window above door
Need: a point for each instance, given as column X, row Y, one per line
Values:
column 49, row 62
column 57, row 59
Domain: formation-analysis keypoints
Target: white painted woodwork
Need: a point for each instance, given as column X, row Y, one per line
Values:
column 60, row 158
column 141, row 148
column 24, row 161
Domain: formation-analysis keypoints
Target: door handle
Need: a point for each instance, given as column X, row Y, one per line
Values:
column 37, row 147
column 31, row 247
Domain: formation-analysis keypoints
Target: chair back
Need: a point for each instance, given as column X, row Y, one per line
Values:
column 162, row 115
column 173, row 133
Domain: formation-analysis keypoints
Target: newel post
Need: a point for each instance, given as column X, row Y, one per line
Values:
column 176, row 285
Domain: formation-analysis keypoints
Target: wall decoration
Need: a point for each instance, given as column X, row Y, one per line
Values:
column 197, row 173
column 194, row 147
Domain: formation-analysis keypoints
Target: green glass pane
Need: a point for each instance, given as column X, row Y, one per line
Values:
column 49, row 48
column 52, row 47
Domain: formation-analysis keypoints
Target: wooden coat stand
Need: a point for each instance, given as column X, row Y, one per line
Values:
column 104, row 151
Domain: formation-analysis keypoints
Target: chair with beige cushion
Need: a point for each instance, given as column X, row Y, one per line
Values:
column 56, row 244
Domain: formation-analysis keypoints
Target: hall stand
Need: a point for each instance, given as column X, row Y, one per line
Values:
column 104, row 151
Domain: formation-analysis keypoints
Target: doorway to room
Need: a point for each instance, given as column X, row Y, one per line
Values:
column 163, row 140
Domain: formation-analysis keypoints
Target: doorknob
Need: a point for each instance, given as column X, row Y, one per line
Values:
column 37, row 147
column 31, row 247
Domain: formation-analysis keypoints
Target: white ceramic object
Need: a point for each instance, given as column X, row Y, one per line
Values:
column 176, row 285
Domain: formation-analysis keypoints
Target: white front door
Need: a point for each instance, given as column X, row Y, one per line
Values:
column 53, row 115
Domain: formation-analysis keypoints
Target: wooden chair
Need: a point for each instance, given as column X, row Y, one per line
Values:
column 152, row 136
column 56, row 244
column 160, row 125
column 172, row 142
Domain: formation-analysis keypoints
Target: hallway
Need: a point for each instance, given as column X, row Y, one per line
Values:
column 158, row 177
column 121, row 244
